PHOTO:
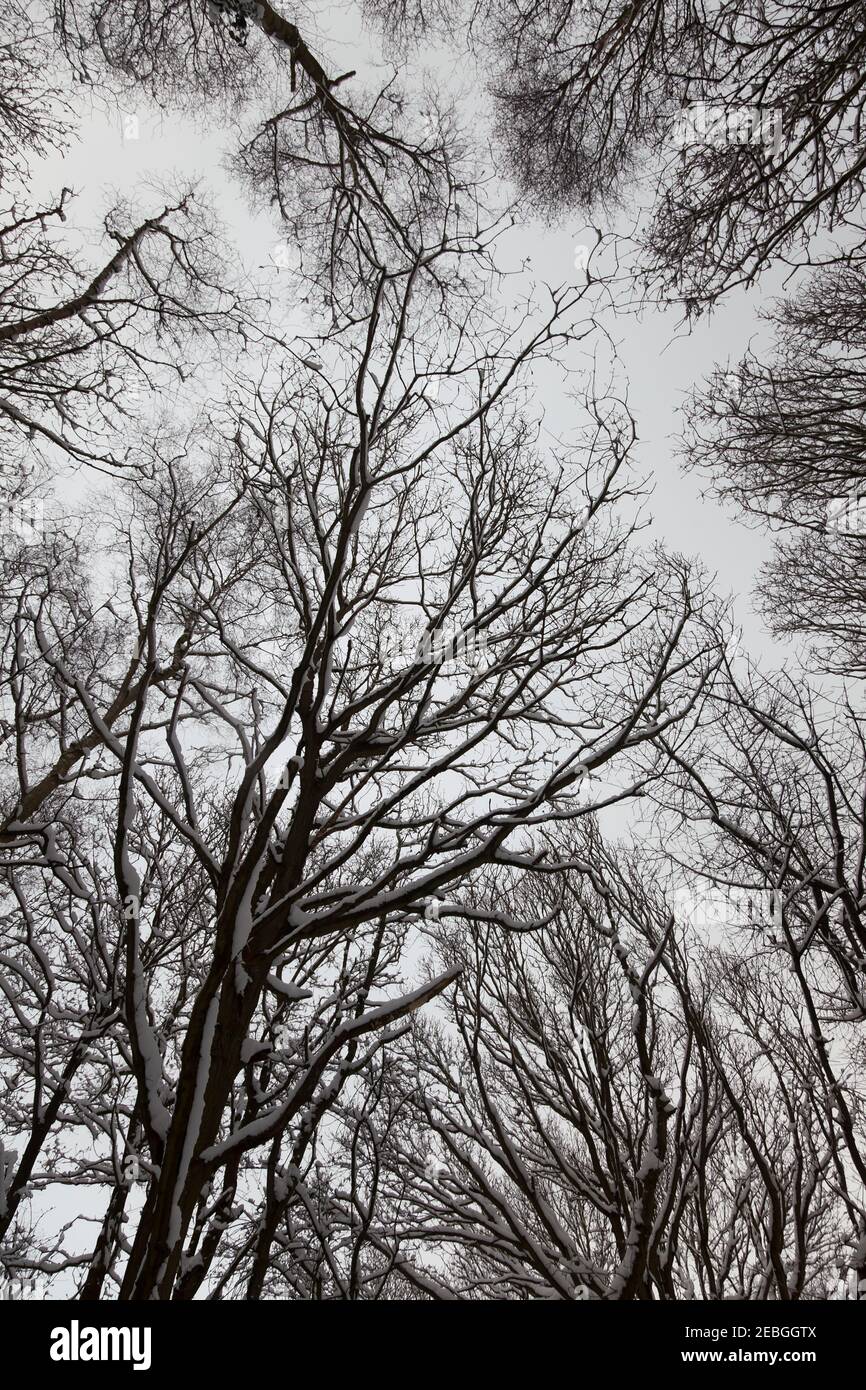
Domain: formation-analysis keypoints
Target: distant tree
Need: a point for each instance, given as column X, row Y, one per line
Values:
column 782, row 436
column 82, row 347
column 588, row 96
column 353, row 173
column 33, row 109
column 85, row 341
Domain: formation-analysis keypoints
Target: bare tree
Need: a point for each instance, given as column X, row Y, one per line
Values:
column 33, row 112
column 85, row 341
column 352, row 172
column 585, row 95
column 781, row 790
column 781, row 436
column 314, row 773
column 81, row 347
column 611, row 1108
column 768, row 99
column 319, row 968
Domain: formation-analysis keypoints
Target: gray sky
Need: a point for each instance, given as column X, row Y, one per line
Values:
column 661, row 361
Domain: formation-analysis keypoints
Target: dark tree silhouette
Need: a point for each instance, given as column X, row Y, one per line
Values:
column 781, row 436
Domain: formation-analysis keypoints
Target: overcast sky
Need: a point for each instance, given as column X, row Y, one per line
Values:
column 661, row 361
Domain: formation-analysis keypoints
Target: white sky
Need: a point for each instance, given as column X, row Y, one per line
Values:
column 661, row 361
